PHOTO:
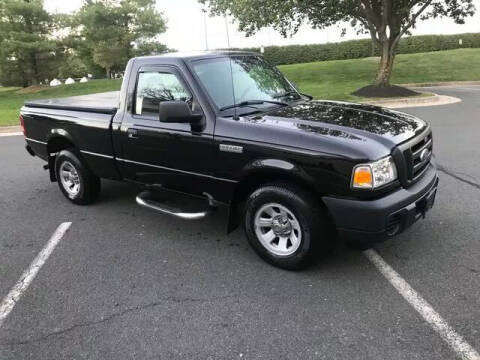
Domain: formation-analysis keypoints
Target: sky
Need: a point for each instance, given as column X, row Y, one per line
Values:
column 186, row 28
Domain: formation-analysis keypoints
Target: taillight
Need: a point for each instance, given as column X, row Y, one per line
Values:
column 22, row 124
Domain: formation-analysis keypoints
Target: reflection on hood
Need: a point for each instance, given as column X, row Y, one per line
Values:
column 368, row 118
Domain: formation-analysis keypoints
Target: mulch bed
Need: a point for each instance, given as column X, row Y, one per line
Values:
column 372, row 91
column 32, row 89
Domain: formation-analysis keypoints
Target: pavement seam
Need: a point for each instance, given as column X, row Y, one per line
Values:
column 457, row 177
column 114, row 316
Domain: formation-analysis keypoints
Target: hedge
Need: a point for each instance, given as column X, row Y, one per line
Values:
column 354, row 49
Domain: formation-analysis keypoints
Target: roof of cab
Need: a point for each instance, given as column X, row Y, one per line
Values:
column 196, row 55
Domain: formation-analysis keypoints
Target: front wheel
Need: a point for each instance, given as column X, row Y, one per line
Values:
column 286, row 226
column 76, row 181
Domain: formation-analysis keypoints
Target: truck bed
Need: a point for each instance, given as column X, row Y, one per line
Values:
column 102, row 103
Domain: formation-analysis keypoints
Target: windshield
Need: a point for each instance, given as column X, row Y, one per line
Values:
column 253, row 80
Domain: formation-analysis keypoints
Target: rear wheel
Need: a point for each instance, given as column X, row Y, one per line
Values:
column 76, row 181
column 286, row 226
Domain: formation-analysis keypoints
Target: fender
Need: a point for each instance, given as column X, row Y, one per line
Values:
column 60, row 133
column 56, row 135
column 260, row 172
column 276, row 168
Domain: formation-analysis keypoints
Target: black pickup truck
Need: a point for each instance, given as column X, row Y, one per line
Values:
column 227, row 129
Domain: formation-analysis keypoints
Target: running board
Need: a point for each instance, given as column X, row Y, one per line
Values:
column 145, row 199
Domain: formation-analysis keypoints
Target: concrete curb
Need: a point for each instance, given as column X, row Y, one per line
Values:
column 441, row 84
column 10, row 129
column 434, row 100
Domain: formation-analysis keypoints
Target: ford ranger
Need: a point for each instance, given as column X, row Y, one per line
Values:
column 227, row 129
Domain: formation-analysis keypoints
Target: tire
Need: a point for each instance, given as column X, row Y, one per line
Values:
column 308, row 230
column 75, row 179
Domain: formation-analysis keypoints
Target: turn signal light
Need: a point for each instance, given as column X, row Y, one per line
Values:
column 375, row 174
column 363, row 178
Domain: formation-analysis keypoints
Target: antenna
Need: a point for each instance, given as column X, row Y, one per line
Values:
column 235, row 116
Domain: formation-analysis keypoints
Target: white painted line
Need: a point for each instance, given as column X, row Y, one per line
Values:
column 8, row 303
column 447, row 333
column 11, row 134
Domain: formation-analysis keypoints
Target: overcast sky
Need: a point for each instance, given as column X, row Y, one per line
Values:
column 186, row 28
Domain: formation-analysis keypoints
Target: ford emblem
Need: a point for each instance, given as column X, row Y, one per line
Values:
column 425, row 155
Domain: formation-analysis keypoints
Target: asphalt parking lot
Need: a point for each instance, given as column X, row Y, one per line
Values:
column 126, row 283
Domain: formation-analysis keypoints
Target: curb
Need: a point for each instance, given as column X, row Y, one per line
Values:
column 10, row 130
column 441, row 84
column 7, row 129
column 435, row 100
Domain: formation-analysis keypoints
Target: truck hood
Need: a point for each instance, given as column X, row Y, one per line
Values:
column 345, row 120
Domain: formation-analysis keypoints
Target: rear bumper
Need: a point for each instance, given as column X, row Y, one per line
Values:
column 377, row 220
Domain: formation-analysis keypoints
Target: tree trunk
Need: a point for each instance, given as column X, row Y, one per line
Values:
column 386, row 65
column 34, row 77
column 108, row 73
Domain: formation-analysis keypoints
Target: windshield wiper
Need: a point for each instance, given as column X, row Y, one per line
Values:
column 253, row 102
column 287, row 93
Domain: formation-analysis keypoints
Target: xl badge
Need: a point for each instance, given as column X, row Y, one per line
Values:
column 231, row 148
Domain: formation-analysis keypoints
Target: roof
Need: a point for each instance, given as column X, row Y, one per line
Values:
column 195, row 55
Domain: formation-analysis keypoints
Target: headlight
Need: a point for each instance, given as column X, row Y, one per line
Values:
column 375, row 174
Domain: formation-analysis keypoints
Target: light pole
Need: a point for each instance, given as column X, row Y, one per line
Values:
column 228, row 34
column 205, row 27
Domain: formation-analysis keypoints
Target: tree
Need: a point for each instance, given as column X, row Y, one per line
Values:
column 116, row 30
column 385, row 20
column 25, row 44
column 72, row 66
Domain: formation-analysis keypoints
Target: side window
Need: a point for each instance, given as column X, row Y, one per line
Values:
column 155, row 87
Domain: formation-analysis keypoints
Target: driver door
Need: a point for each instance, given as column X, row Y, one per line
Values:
column 173, row 155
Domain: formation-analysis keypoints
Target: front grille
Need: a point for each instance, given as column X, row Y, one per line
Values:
column 413, row 158
column 419, row 163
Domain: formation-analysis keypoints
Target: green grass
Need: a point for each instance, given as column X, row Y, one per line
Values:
column 334, row 80
column 7, row 89
column 11, row 100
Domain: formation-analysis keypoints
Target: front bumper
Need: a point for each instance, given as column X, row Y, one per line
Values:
column 377, row 220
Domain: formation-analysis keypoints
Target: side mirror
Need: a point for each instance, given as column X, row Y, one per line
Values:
column 178, row 112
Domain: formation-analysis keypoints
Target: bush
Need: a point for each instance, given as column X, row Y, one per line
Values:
column 354, row 49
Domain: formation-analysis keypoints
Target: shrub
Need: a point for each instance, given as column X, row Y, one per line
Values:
column 354, row 49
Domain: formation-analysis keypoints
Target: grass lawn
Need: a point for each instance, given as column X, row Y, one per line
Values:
column 334, row 80
column 11, row 100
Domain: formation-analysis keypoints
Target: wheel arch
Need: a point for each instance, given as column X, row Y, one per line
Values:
column 57, row 141
column 261, row 173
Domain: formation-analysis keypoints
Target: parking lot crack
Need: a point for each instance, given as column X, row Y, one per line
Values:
column 172, row 299
column 458, row 177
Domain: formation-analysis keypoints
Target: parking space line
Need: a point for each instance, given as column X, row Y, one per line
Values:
column 11, row 134
column 8, row 303
column 446, row 332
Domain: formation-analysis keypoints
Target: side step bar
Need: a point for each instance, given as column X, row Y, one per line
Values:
column 145, row 199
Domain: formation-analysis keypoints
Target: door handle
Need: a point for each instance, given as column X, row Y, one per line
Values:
column 132, row 133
